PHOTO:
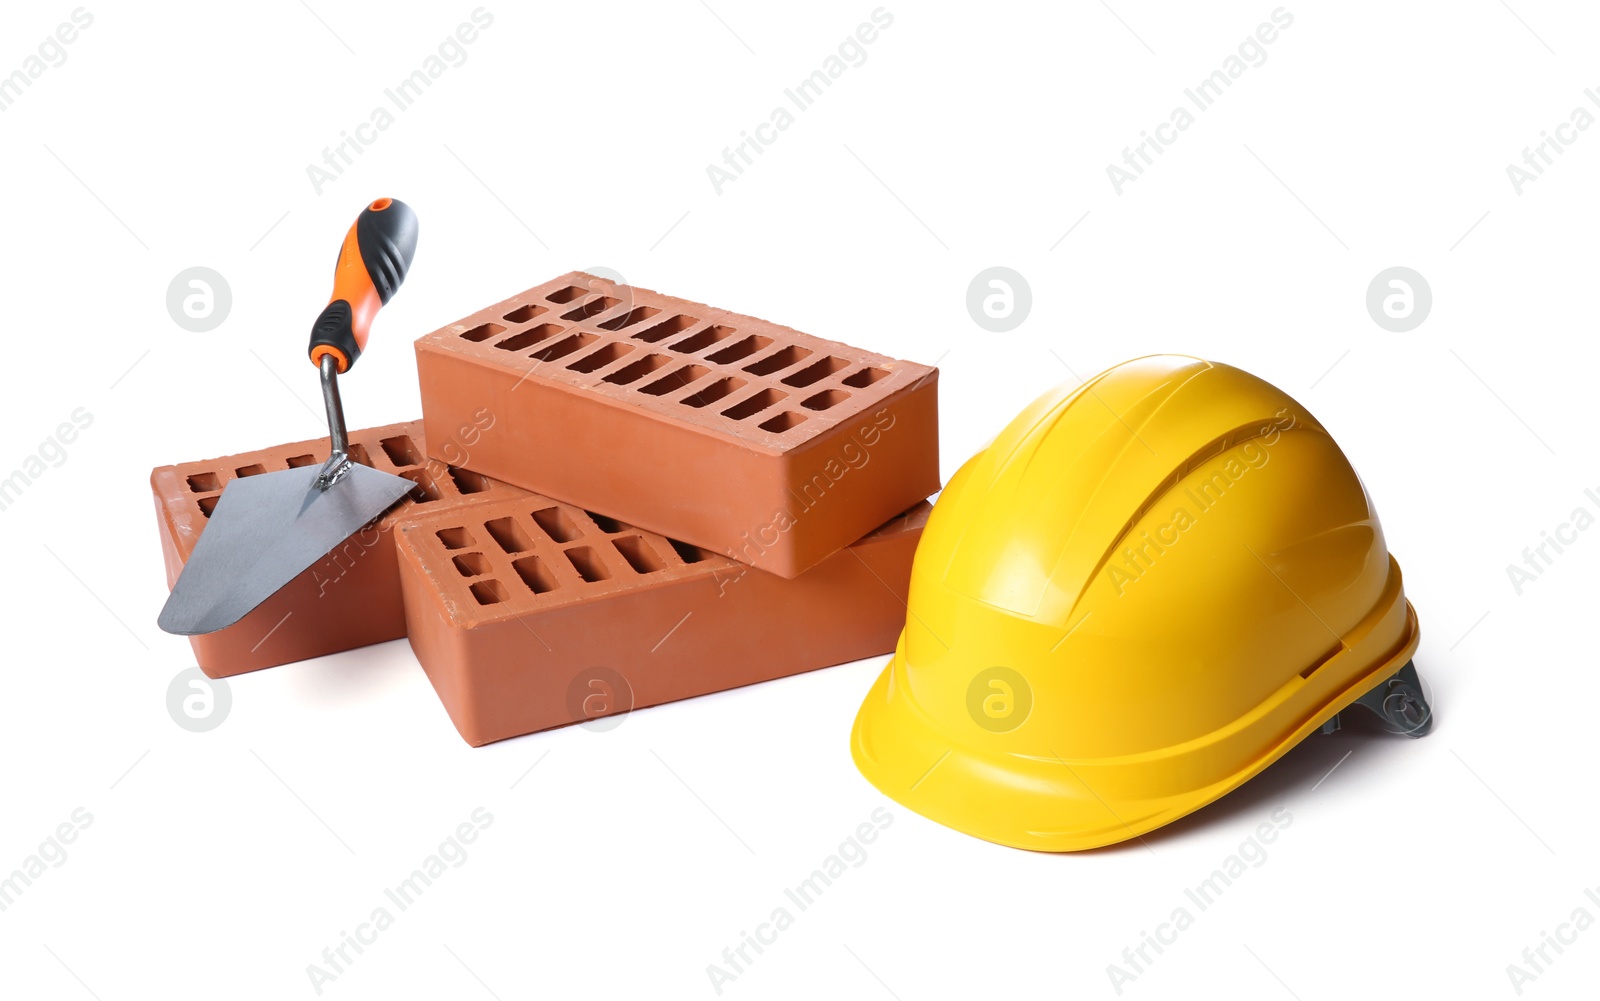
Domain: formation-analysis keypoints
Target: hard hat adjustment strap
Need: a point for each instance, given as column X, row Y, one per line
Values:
column 1398, row 702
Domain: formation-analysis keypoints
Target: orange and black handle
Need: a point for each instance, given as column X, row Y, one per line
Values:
column 376, row 255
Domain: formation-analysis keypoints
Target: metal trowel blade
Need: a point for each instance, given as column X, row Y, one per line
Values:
column 264, row 532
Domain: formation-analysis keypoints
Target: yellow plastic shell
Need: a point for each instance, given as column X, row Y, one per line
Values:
column 1142, row 593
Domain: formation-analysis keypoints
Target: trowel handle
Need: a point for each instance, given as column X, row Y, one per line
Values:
column 376, row 255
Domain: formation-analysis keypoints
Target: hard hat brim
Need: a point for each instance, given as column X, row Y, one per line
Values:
column 1017, row 802
column 1040, row 803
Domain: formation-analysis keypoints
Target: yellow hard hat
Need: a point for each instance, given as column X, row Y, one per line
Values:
column 1142, row 593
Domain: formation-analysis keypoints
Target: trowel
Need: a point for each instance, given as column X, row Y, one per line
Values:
column 268, row 528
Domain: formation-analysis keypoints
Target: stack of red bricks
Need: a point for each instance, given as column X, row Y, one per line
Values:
column 622, row 499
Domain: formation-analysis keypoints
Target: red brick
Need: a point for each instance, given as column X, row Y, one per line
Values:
column 515, row 607
column 756, row 441
column 349, row 599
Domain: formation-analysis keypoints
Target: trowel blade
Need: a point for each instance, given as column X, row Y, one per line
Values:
column 264, row 532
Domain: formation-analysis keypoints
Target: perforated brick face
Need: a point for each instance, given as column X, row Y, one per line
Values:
column 516, row 608
column 704, row 367
column 515, row 559
column 350, row 598
column 776, row 447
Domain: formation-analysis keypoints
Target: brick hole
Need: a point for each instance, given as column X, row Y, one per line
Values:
column 467, row 481
column 535, row 574
column 472, row 564
column 816, row 372
column 296, row 461
column 425, row 490
column 358, row 454
column 704, row 339
column 483, row 332
column 455, row 538
column 208, row 505
column 401, row 450
column 754, row 405
column 638, row 553
column 666, row 328
column 637, row 314
column 783, row 422
column 588, row 564
column 638, row 370
column 565, row 346
column 825, row 399
column 591, row 307
column 714, row 392
column 556, row 524
column 596, row 360
column 606, row 524
column 522, row 314
column 562, row 296
column 254, row 469
column 741, row 349
column 865, row 378
column 510, row 536
column 688, row 553
column 204, row 483
column 676, row 380
column 779, row 360
column 489, row 592
column 529, row 337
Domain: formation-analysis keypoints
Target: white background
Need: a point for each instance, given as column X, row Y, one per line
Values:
column 222, row 864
